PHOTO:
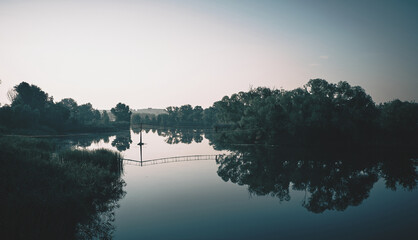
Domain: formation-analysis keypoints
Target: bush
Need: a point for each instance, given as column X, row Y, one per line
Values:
column 56, row 196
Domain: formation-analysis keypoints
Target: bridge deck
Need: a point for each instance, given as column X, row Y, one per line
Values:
column 170, row 160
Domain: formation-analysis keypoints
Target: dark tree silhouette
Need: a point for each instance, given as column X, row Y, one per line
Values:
column 121, row 112
column 122, row 141
column 30, row 95
column 333, row 179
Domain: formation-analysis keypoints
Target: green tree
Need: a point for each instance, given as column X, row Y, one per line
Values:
column 136, row 119
column 71, row 105
column 399, row 119
column 122, row 112
column 186, row 114
column 85, row 113
column 197, row 114
column 30, row 95
column 105, row 117
column 55, row 115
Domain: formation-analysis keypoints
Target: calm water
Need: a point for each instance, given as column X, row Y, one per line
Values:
column 245, row 195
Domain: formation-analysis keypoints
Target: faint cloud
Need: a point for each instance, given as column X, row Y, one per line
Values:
column 325, row 57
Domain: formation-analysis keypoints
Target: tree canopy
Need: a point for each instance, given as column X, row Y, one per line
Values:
column 32, row 108
column 122, row 112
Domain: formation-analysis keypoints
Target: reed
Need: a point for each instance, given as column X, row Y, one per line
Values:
column 49, row 195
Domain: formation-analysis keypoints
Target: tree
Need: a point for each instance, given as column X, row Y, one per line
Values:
column 55, row 116
column 105, row 117
column 136, row 119
column 185, row 113
column 399, row 119
column 96, row 115
column 121, row 112
column 209, row 116
column 122, row 141
column 71, row 105
column 197, row 114
column 85, row 113
column 30, row 95
column 24, row 116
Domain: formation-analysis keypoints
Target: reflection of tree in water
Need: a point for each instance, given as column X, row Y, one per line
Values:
column 46, row 195
column 122, row 141
column 400, row 172
column 61, row 217
column 82, row 140
column 175, row 135
column 333, row 180
column 86, row 141
column 99, row 223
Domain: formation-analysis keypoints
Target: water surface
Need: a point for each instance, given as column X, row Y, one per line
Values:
column 253, row 192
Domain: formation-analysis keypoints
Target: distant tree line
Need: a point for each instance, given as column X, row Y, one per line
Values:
column 32, row 108
column 183, row 116
column 318, row 112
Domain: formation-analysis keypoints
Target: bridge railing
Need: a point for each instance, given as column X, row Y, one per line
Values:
column 170, row 160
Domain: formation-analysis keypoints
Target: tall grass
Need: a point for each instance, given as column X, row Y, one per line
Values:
column 102, row 158
column 45, row 195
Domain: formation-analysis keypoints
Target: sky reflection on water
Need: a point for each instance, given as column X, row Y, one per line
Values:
column 189, row 200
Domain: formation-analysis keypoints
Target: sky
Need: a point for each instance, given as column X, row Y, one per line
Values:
column 169, row 53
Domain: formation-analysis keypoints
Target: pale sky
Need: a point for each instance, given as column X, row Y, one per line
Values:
column 169, row 53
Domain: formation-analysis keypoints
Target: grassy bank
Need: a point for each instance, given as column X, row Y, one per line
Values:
column 50, row 195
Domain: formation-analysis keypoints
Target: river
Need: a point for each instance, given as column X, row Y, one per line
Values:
column 241, row 195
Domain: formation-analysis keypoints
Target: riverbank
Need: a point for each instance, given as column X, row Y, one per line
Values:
column 50, row 194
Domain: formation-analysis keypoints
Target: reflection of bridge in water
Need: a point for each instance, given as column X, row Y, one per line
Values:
column 170, row 160
column 167, row 159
